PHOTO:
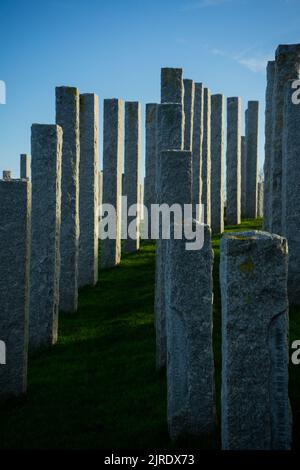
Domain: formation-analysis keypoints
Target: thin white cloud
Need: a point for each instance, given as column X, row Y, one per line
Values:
column 255, row 64
column 204, row 4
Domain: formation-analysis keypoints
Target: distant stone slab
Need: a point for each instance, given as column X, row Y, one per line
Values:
column 252, row 159
column 255, row 403
column 172, row 90
column 233, row 162
column 197, row 146
column 189, row 95
column 24, row 166
column 217, row 163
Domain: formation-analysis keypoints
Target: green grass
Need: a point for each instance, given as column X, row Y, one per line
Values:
column 98, row 388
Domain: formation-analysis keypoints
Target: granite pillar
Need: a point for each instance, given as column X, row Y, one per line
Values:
column 233, row 162
column 217, row 163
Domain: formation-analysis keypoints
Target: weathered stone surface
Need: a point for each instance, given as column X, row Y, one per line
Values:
column 150, row 159
column 88, row 190
column 252, row 159
column 206, row 158
column 24, row 166
column 172, row 90
column 233, row 162
column 243, row 175
column 132, row 170
column 260, row 199
column 287, row 67
column 6, row 175
column 15, row 211
column 268, row 144
column 46, row 150
column 255, row 404
column 217, row 163
column 112, row 176
column 189, row 94
column 197, row 146
column 291, row 190
column 100, row 188
column 176, row 166
column 67, row 116
column 170, row 135
column 190, row 367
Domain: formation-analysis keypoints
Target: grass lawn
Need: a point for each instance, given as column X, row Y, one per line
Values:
column 98, row 388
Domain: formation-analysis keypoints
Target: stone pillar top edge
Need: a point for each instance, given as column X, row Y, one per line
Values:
column 286, row 48
column 24, row 154
column 89, row 94
column 132, row 103
column 152, row 104
column 67, row 88
column 188, row 80
column 46, row 126
column 233, row 98
column 172, row 68
column 251, row 235
column 107, row 100
column 253, row 103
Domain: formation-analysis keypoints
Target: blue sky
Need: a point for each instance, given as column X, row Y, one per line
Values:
column 116, row 49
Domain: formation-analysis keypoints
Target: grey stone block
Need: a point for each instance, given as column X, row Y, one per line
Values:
column 260, row 199
column 252, row 159
column 88, row 190
column 243, row 176
column 206, row 157
column 233, row 162
column 189, row 94
column 255, row 404
column 67, row 116
column 6, row 175
column 172, row 90
column 197, row 145
column 15, row 212
column 150, row 159
column 217, row 163
column 24, row 166
column 46, row 150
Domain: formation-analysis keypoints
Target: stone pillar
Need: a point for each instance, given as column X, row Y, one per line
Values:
column 206, row 161
column 190, row 369
column 189, row 94
column 141, row 201
column 252, row 159
column 255, row 404
column 100, row 188
column 233, row 162
column 218, row 163
column 260, row 199
column 6, row 175
column 291, row 190
column 287, row 67
column 243, row 176
column 24, row 166
column 170, row 135
column 46, row 150
column 15, row 211
column 150, row 159
column 67, row 116
column 88, row 190
column 132, row 171
column 112, row 177
column 197, row 146
column 268, row 144
column 171, row 81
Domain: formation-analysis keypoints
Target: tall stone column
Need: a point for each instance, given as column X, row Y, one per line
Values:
column 291, row 190
column 112, row 177
column 255, row 403
column 243, row 176
column 189, row 95
column 132, row 171
column 170, row 135
column 233, row 162
column 217, row 163
column 67, row 116
column 150, row 159
column 88, row 192
column 206, row 158
column 287, row 67
column 190, row 369
column 260, row 199
column 197, row 145
column 171, row 85
column 24, row 166
column 268, row 144
column 15, row 212
column 46, row 150
column 252, row 159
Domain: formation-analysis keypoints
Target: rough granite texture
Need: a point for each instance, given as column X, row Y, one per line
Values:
column 206, row 157
column 217, row 163
column 190, row 367
column 287, row 66
column 112, row 176
column 46, row 150
column 171, row 83
column 260, row 199
column 233, row 162
column 67, row 116
column 268, row 144
column 243, row 175
column 150, row 159
column 189, row 95
column 170, row 135
column 132, row 170
column 252, row 159
column 6, row 175
column 15, row 212
column 197, row 146
column 88, row 190
column 291, row 191
column 24, row 166
column 254, row 396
